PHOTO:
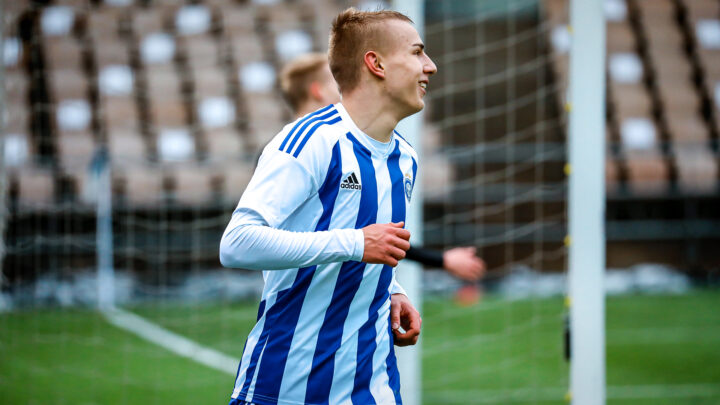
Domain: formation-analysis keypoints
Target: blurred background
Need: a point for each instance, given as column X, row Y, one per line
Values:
column 131, row 129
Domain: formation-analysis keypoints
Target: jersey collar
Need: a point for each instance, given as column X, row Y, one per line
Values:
column 377, row 148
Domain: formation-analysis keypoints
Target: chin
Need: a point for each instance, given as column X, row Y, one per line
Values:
column 413, row 109
column 413, row 106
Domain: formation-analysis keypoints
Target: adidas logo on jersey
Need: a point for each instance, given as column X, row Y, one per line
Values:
column 351, row 183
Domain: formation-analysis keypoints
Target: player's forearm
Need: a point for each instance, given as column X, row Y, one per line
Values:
column 260, row 247
column 425, row 256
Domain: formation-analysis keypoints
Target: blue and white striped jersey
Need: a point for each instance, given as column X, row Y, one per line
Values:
column 323, row 331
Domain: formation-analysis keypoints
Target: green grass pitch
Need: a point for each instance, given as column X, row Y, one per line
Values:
column 661, row 349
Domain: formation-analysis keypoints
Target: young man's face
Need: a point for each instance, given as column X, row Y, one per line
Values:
column 407, row 67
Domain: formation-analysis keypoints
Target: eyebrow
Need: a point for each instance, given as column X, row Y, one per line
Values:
column 422, row 46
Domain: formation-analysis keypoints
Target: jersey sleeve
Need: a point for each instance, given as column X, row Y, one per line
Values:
column 396, row 288
column 249, row 243
column 282, row 182
column 280, row 185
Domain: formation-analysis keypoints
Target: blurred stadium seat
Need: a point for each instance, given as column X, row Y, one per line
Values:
column 126, row 146
column 192, row 185
column 141, row 185
column 236, row 177
column 110, row 52
column 104, row 23
column 64, row 53
column 36, row 187
column 162, row 82
column 147, row 21
column 223, row 144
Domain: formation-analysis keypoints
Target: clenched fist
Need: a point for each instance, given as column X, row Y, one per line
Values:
column 385, row 243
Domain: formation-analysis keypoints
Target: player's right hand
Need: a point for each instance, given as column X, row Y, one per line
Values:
column 385, row 243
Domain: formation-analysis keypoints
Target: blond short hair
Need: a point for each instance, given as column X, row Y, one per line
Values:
column 296, row 76
column 352, row 34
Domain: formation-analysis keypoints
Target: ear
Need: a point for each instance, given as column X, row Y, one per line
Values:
column 374, row 65
column 315, row 91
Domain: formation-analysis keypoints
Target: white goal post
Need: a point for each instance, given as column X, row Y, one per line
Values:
column 586, row 202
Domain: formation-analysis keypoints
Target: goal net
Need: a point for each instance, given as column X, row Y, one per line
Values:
column 495, row 132
column 131, row 129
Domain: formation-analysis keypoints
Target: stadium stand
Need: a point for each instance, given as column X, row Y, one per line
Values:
column 184, row 95
column 35, row 188
column 662, row 119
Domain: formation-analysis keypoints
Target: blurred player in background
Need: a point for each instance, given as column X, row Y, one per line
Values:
column 307, row 85
column 326, row 209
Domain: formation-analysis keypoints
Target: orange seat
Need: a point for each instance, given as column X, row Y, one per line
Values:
column 162, row 83
column 224, row 144
column 36, row 187
column 104, row 23
column 110, row 52
column 285, row 16
column 699, row 10
column 702, row 9
column 612, row 174
column 167, row 108
column 687, row 128
column 147, row 21
column 118, row 113
column 16, row 87
column 126, row 147
column 678, row 95
column 75, row 150
column 192, row 184
column 656, row 9
column 697, row 168
column 266, row 118
column 17, row 118
column 63, row 53
column 238, row 20
column 631, row 100
column 673, row 67
column 246, row 47
column 201, row 51
column 143, row 185
column 210, row 82
column 558, row 11
column 168, row 113
column 620, row 37
column 236, row 177
column 648, row 172
column 68, row 84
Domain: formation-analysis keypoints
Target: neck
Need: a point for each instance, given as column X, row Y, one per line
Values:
column 307, row 108
column 376, row 118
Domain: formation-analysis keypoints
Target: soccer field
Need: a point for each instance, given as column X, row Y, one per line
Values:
column 661, row 349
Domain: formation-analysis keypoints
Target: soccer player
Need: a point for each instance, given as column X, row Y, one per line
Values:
column 323, row 215
column 307, row 85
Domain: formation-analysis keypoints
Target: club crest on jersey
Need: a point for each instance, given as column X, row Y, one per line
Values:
column 408, row 185
column 351, row 182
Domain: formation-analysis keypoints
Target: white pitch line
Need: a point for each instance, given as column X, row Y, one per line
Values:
column 171, row 341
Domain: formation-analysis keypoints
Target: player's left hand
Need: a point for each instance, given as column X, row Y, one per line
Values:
column 462, row 262
column 403, row 313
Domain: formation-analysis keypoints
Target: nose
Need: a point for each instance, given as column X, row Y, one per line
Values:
column 429, row 67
